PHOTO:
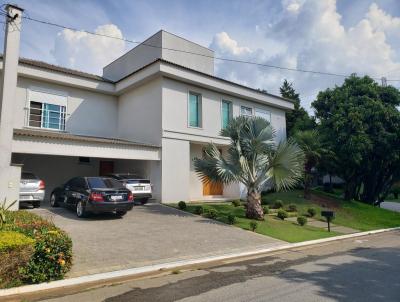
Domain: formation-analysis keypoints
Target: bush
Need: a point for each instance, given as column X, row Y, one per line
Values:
column 302, row 220
column 266, row 210
column 231, row 219
column 182, row 205
column 278, row 204
column 15, row 251
column 264, row 201
column 253, row 225
column 292, row 208
column 282, row 214
column 236, row 203
column 52, row 255
column 199, row 210
column 311, row 212
column 211, row 213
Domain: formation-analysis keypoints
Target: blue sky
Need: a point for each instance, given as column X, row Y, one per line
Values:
column 340, row 36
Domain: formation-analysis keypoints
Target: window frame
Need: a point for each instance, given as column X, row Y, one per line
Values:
column 265, row 111
column 248, row 107
column 223, row 100
column 199, row 112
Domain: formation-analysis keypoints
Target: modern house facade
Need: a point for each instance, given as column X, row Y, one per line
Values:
column 151, row 112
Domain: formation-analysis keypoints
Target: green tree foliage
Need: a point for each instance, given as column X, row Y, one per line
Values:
column 297, row 119
column 360, row 122
column 253, row 159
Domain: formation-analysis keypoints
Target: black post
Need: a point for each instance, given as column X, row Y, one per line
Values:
column 329, row 224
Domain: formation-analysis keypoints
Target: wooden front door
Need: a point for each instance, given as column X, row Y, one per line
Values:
column 106, row 168
column 213, row 188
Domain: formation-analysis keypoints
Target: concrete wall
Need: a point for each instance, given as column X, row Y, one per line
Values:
column 175, row 170
column 88, row 113
column 139, row 113
column 175, row 110
column 161, row 45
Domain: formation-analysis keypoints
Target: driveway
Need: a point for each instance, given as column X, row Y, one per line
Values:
column 150, row 234
column 393, row 206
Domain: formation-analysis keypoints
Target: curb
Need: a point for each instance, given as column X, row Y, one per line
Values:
column 26, row 289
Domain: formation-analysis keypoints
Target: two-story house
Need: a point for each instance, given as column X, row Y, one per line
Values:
column 151, row 112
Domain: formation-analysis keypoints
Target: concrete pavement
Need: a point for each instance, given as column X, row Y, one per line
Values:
column 361, row 269
column 393, row 206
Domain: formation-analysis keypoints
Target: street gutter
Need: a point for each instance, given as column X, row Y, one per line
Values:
column 91, row 280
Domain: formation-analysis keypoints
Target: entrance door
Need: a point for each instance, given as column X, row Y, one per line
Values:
column 213, row 188
column 106, row 168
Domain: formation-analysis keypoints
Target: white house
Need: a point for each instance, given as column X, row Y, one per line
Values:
column 152, row 111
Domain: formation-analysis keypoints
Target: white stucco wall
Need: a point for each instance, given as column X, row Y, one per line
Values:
column 88, row 112
column 139, row 113
column 175, row 170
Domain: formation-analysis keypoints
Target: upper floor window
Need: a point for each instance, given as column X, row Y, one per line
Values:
column 264, row 114
column 226, row 113
column 194, row 110
column 46, row 111
column 246, row 111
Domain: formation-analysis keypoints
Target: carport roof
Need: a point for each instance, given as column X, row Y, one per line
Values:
column 81, row 138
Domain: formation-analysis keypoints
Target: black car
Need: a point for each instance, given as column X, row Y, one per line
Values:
column 93, row 195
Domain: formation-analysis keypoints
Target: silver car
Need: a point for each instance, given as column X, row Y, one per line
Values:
column 140, row 187
column 31, row 189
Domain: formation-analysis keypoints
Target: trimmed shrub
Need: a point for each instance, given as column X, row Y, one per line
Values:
column 292, row 208
column 182, row 205
column 278, row 204
column 15, row 251
column 199, row 210
column 211, row 213
column 236, row 203
column 282, row 214
column 231, row 219
column 52, row 255
column 311, row 212
column 266, row 210
column 253, row 225
column 301, row 220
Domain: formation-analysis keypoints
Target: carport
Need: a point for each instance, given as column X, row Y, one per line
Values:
column 56, row 157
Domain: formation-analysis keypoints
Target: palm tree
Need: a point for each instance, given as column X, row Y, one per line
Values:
column 313, row 148
column 253, row 159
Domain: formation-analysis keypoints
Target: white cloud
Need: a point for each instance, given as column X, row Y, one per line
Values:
column 84, row 51
column 314, row 39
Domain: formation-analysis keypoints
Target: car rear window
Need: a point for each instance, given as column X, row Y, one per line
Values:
column 103, row 183
column 137, row 181
column 28, row 175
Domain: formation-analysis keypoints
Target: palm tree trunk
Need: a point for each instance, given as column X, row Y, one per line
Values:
column 254, row 209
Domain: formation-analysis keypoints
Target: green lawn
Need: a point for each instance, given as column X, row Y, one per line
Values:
column 351, row 214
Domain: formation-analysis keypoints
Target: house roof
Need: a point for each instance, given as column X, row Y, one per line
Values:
column 81, row 138
column 69, row 71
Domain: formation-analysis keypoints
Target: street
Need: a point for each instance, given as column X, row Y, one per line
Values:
column 360, row 269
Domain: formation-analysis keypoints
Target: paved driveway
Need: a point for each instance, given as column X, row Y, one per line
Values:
column 393, row 206
column 150, row 234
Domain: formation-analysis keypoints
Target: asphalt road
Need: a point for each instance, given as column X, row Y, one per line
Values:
column 362, row 269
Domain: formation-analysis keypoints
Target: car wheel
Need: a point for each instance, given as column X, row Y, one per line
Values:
column 36, row 204
column 80, row 210
column 53, row 201
column 120, row 213
column 144, row 200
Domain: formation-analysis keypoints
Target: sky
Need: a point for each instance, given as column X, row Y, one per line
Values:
column 342, row 36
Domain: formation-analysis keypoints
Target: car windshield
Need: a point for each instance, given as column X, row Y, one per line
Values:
column 28, row 175
column 128, row 176
column 103, row 183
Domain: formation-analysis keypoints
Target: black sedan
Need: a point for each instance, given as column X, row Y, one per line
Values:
column 93, row 195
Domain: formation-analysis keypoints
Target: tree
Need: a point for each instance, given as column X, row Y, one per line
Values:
column 297, row 119
column 253, row 159
column 313, row 148
column 360, row 123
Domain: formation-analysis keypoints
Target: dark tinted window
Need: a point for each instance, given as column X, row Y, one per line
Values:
column 28, row 175
column 137, row 181
column 128, row 176
column 103, row 183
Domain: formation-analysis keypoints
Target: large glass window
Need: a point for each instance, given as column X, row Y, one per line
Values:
column 264, row 114
column 194, row 110
column 226, row 112
column 246, row 111
column 48, row 116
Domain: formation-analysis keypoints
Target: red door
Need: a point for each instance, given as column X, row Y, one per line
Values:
column 106, row 167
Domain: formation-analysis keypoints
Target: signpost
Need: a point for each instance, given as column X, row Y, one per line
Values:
column 329, row 215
